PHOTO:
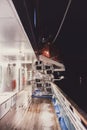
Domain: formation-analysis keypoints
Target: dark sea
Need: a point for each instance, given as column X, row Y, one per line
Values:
column 75, row 83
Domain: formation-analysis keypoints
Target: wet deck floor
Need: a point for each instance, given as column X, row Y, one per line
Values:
column 39, row 116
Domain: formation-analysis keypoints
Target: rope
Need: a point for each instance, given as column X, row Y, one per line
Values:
column 57, row 34
column 31, row 28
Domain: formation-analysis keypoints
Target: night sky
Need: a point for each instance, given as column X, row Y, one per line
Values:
column 72, row 40
column 71, row 44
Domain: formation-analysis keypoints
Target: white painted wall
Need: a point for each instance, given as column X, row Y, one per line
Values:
column 13, row 40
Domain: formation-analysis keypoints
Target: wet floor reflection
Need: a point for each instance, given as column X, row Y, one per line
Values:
column 40, row 115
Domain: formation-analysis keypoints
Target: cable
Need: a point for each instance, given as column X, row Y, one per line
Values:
column 61, row 24
column 31, row 29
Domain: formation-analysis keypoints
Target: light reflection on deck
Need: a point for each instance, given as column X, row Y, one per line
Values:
column 39, row 116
